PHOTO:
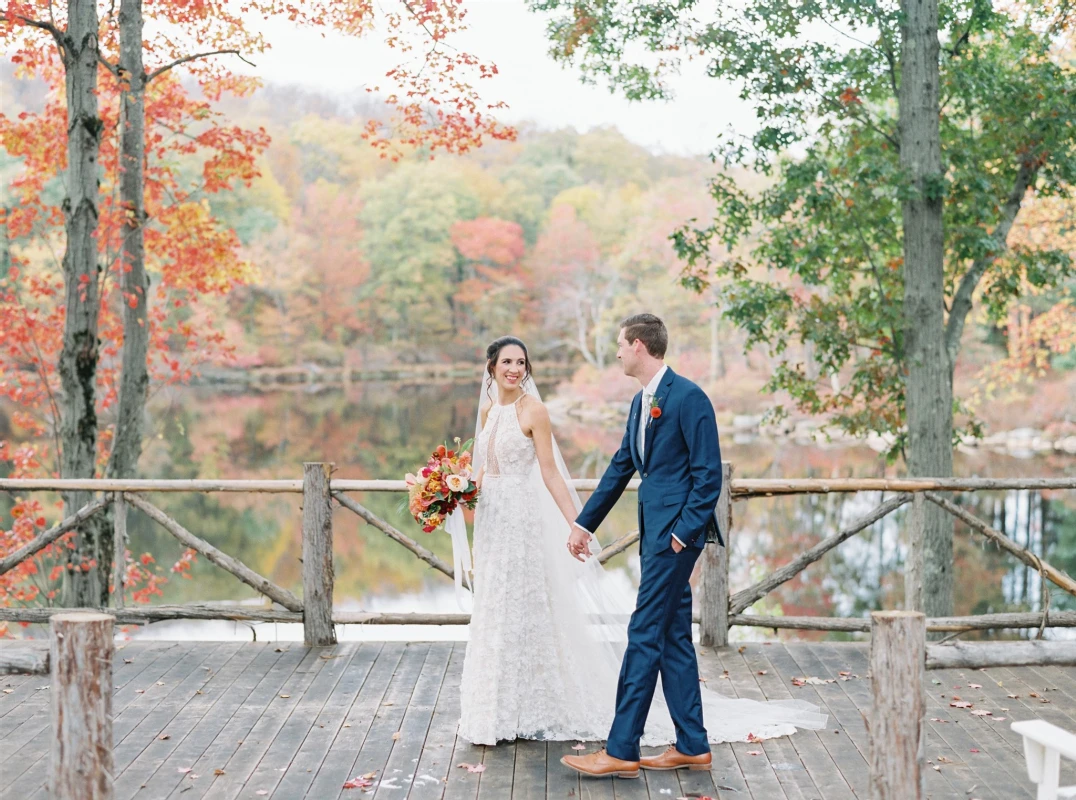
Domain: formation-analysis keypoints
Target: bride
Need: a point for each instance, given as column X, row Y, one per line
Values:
column 547, row 631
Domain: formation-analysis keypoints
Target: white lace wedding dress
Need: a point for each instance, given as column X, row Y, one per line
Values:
column 545, row 647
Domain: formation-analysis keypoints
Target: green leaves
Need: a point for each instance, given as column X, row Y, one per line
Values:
column 810, row 256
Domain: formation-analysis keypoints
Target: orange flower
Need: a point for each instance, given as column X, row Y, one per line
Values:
column 655, row 412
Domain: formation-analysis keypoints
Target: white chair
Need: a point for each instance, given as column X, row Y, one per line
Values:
column 1044, row 745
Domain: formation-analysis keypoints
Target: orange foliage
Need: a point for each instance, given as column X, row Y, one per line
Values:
column 191, row 152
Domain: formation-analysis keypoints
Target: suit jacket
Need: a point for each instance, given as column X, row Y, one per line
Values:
column 680, row 470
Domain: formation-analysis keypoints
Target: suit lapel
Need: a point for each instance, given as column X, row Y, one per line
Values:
column 633, row 428
column 659, row 399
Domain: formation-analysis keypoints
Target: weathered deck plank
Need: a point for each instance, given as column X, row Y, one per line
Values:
column 401, row 769
column 827, row 777
column 327, row 725
column 218, row 743
column 184, row 711
column 338, row 761
column 435, row 762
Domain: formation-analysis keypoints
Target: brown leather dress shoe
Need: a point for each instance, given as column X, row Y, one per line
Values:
column 674, row 759
column 602, row 765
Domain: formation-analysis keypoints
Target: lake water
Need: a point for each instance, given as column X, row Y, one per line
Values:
column 383, row 430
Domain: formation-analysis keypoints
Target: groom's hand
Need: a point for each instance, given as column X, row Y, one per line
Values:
column 676, row 546
column 578, row 542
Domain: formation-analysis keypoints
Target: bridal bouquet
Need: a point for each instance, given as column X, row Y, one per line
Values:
column 441, row 486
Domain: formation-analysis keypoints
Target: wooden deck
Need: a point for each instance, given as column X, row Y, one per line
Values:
column 227, row 720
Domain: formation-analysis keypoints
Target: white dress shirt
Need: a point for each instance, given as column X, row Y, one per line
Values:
column 645, row 420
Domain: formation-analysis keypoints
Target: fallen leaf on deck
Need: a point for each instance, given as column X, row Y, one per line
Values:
column 184, row 770
column 975, row 686
column 472, row 767
column 396, row 736
column 812, row 681
column 944, row 760
column 579, row 746
column 845, row 674
column 261, row 792
column 1013, row 696
column 361, row 782
column 960, row 704
column 752, row 738
column 938, row 719
column 285, row 696
column 754, row 752
column 165, row 737
column 160, row 683
column 763, row 671
column 973, row 750
column 140, row 691
column 981, row 713
column 8, row 691
column 218, row 771
column 741, row 648
column 998, row 719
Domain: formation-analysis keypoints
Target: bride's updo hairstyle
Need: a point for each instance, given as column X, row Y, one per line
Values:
column 493, row 352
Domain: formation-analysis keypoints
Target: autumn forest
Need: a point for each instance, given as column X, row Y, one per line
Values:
column 199, row 229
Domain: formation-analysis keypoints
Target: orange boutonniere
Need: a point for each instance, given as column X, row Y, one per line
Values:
column 655, row 409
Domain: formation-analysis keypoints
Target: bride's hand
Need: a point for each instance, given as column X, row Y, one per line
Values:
column 579, row 543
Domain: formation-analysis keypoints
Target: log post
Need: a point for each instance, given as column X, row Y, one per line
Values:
column 913, row 565
column 80, row 653
column 119, row 549
column 897, row 722
column 318, row 628
column 714, row 575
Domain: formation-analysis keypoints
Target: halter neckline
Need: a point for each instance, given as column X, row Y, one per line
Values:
column 508, row 405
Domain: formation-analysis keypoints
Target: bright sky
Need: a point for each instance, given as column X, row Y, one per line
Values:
column 535, row 88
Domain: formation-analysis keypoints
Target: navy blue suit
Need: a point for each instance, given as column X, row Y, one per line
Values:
column 681, row 481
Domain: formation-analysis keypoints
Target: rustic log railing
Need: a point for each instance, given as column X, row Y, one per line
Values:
column 719, row 608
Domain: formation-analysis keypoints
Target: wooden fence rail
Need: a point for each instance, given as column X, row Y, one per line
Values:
column 719, row 608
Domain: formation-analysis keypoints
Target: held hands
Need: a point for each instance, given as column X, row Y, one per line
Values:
column 578, row 542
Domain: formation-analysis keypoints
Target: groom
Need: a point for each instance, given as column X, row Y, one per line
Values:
column 671, row 441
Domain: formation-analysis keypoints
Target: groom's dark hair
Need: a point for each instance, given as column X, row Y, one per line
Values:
column 650, row 330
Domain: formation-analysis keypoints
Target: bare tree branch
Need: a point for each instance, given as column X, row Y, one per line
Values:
column 45, row 26
column 104, row 62
column 958, row 313
column 195, row 57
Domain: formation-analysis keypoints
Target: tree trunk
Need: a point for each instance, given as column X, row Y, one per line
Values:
column 134, row 380
column 928, row 382
column 717, row 358
column 5, row 246
column 78, row 358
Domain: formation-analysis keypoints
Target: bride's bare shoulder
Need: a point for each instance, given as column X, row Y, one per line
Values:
column 485, row 412
column 531, row 406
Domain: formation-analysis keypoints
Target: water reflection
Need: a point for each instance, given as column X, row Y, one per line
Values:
column 382, row 430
